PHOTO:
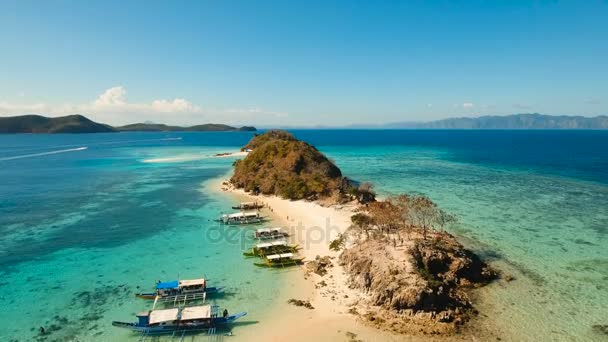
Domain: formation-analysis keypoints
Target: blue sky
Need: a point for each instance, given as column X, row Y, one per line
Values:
column 302, row 62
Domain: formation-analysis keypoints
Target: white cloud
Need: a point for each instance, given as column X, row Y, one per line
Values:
column 468, row 105
column 112, row 106
column 115, row 96
column 115, row 100
column 177, row 105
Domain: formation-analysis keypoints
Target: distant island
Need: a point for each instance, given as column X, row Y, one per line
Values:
column 515, row 121
column 80, row 124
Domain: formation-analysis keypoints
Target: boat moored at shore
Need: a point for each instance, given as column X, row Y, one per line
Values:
column 185, row 319
column 280, row 260
column 244, row 217
column 248, row 206
column 270, row 233
column 181, row 290
column 272, row 247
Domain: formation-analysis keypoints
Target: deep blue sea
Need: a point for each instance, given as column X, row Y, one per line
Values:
column 87, row 220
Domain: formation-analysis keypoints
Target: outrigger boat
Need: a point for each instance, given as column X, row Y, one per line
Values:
column 273, row 247
column 181, row 290
column 248, row 206
column 280, row 260
column 270, row 233
column 244, row 217
column 182, row 320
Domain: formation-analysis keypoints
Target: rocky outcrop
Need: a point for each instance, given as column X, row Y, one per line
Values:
column 302, row 303
column 421, row 283
column 319, row 265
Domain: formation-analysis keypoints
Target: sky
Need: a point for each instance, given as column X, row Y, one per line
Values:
column 302, row 62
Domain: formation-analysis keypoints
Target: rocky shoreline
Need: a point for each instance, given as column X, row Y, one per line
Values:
column 418, row 286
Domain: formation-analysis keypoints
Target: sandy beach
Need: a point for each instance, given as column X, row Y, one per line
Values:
column 312, row 227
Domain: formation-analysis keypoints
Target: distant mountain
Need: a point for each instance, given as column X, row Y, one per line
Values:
column 515, row 121
column 80, row 124
column 41, row 124
column 152, row 127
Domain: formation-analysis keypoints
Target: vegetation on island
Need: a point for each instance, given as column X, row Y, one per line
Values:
column 279, row 164
column 152, row 127
column 80, row 124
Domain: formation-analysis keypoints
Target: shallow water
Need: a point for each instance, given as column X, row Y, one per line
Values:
column 80, row 231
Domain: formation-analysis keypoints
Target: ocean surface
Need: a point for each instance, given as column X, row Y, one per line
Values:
column 88, row 220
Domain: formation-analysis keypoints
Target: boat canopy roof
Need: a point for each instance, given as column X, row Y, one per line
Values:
column 168, row 285
column 192, row 282
column 159, row 316
column 248, row 203
column 268, row 230
column 279, row 256
column 271, row 244
column 243, row 214
column 196, row 312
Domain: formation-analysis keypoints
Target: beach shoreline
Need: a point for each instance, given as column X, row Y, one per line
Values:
column 329, row 320
column 313, row 226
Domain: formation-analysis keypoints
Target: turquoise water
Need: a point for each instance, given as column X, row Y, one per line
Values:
column 80, row 230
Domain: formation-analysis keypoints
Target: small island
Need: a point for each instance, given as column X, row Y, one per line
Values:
column 80, row 124
column 387, row 263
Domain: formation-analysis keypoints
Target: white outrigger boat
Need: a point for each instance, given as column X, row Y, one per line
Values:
column 244, row 217
column 203, row 318
column 181, row 290
column 280, row 260
column 270, row 233
column 272, row 247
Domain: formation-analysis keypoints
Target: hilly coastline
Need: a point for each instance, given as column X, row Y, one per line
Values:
column 389, row 265
column 42, row 124
column 80, row 124
column 515, row 121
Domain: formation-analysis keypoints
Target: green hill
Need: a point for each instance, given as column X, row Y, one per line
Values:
column 280, row 164
column 40, row 124
column 80, row 124
column 147, row 127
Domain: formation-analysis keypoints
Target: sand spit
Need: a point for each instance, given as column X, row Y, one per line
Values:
column 339, row 307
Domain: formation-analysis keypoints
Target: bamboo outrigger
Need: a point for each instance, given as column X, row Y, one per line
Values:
column 280, row 260
column 268, row 248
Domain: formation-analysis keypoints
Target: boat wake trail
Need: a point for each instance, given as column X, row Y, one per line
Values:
column 44, row 153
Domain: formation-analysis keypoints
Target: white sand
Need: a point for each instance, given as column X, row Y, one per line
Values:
column 232, row 154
